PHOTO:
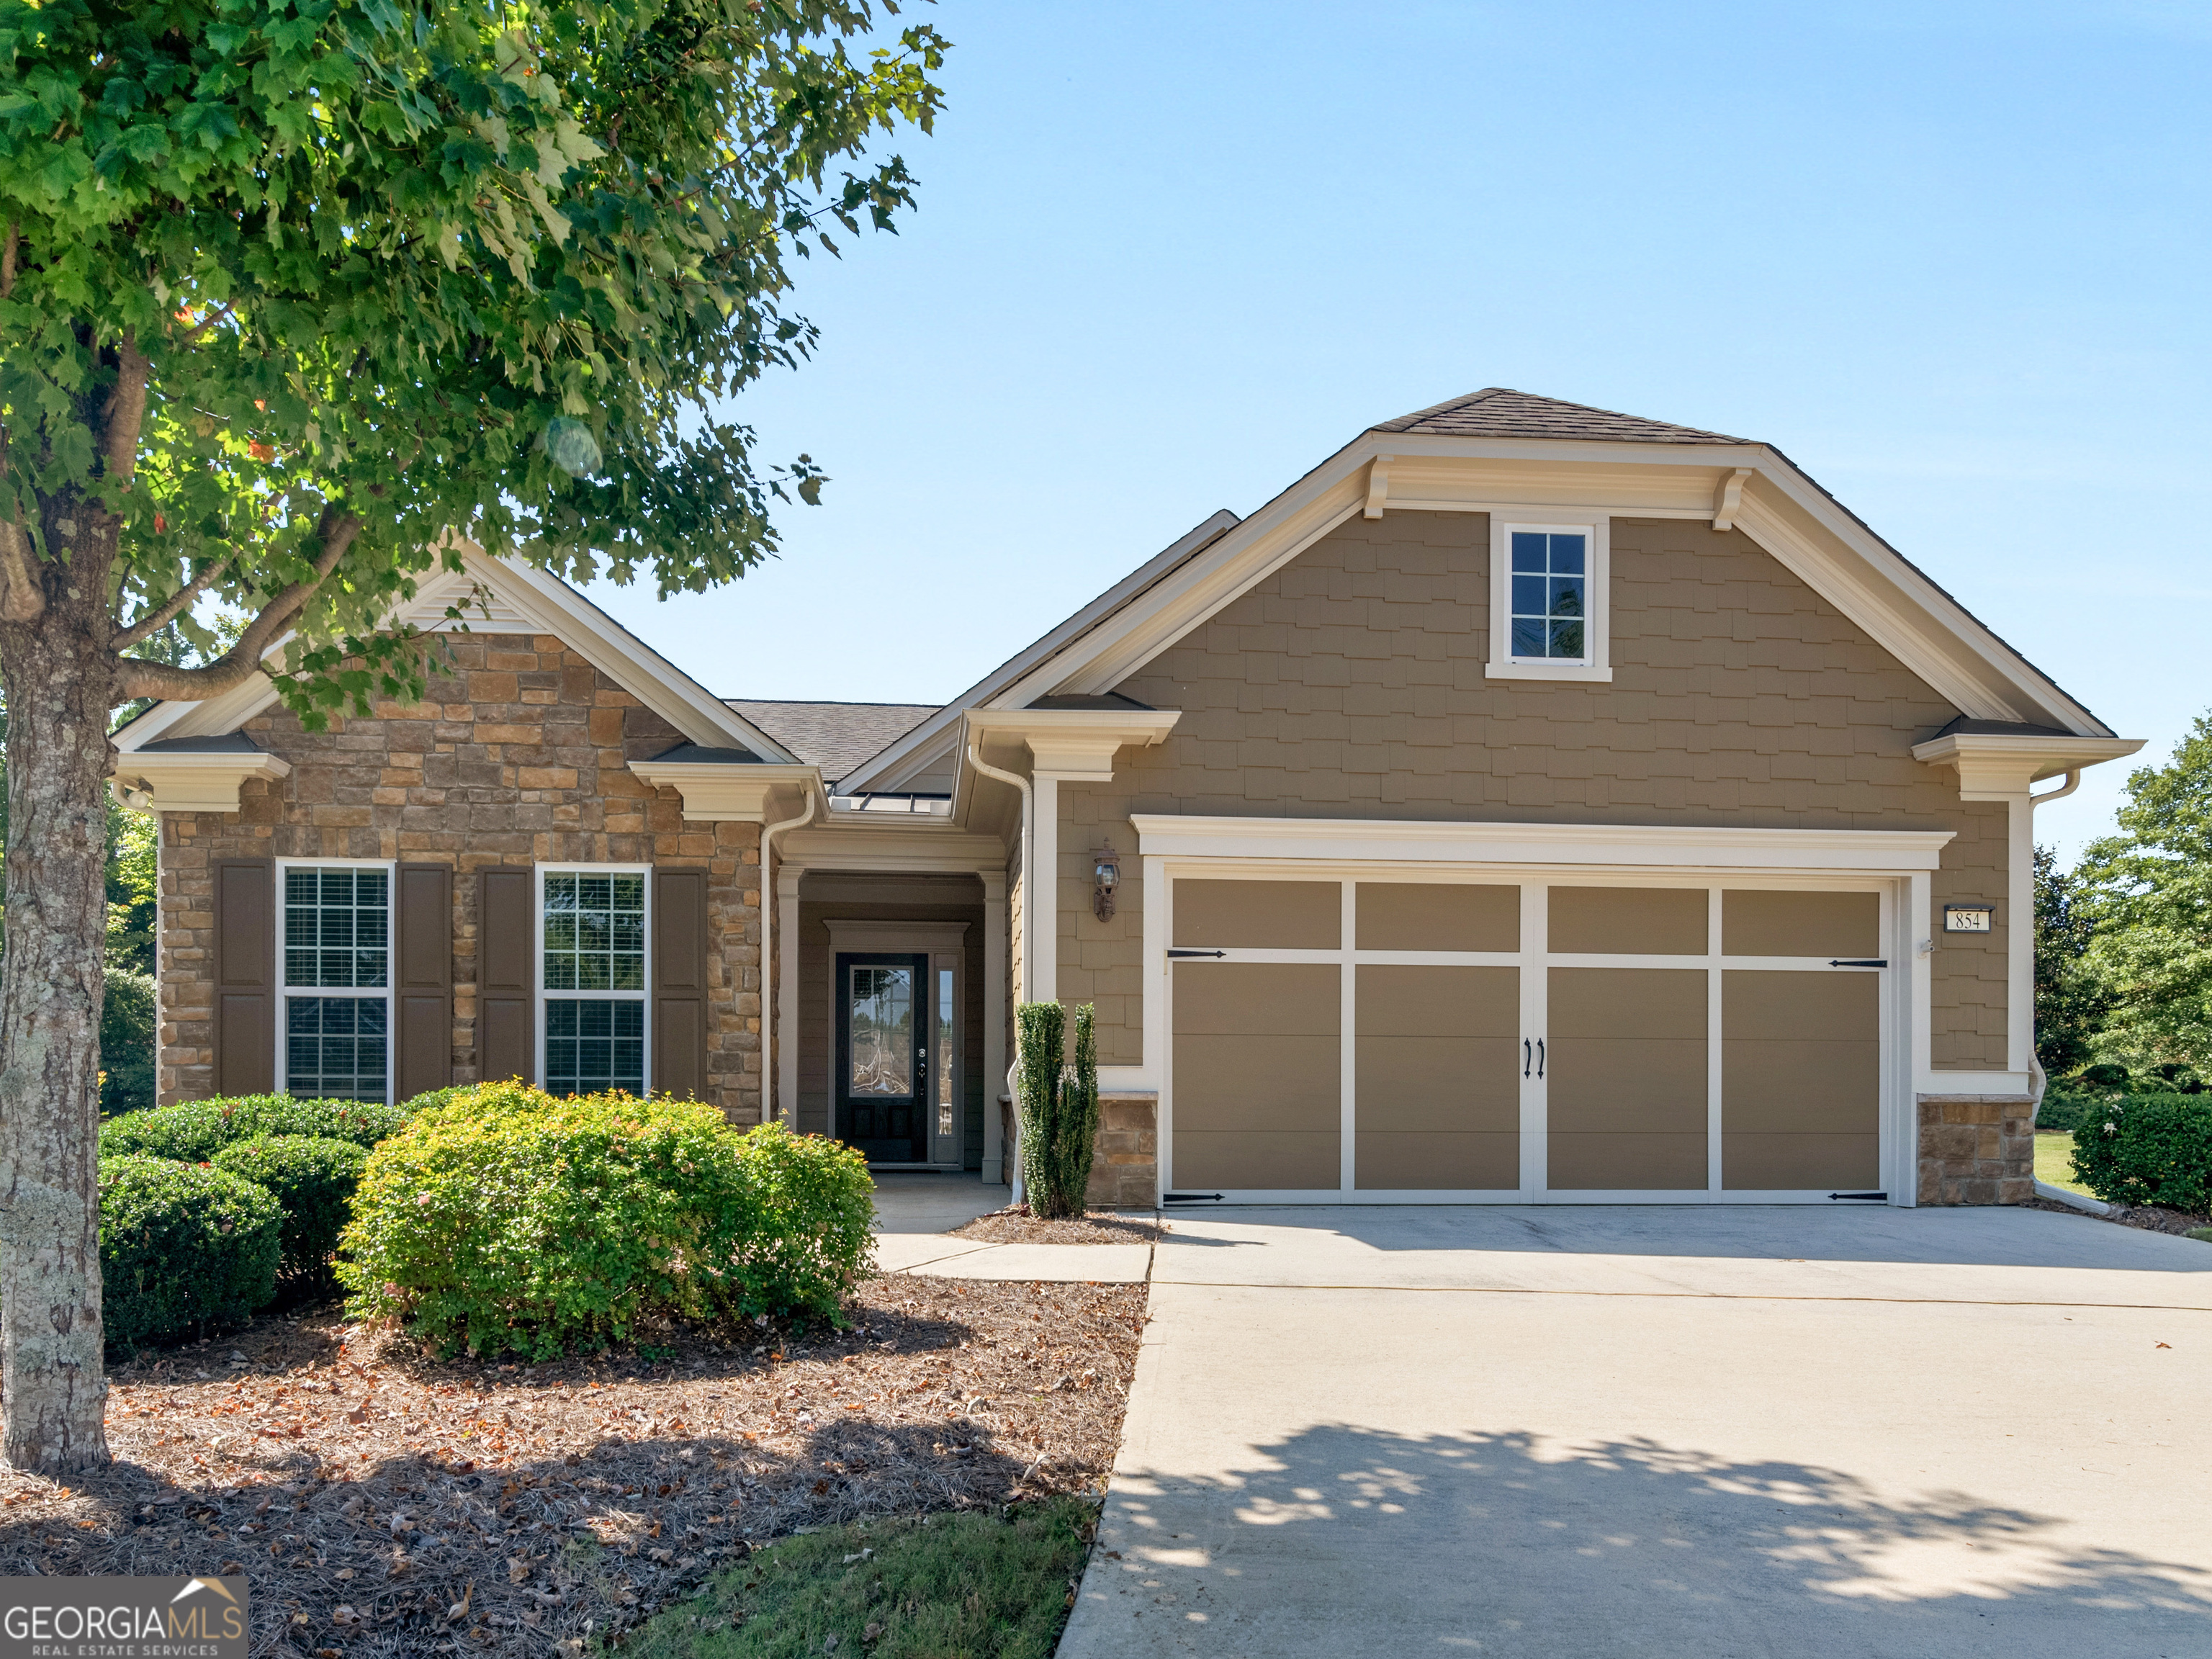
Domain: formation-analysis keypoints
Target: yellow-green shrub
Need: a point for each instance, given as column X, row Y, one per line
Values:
column 509, row 1219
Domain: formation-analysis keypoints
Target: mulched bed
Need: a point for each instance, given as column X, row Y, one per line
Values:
column 2150, row 1216
column 1015, row 1225
column 381, row 1503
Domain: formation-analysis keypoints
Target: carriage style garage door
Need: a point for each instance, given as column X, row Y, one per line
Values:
column 1509, row 1040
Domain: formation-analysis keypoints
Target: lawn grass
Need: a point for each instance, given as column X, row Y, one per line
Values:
column 2054, row 1160
column 982, row 1586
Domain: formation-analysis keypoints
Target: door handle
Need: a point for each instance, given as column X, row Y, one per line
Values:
column 1526, row 1056
column 1540, row 1057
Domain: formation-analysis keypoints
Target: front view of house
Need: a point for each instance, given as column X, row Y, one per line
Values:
column 1529, row 804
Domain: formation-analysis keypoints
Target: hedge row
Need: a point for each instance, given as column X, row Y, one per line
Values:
column 491, row 1219
column 206, row 1204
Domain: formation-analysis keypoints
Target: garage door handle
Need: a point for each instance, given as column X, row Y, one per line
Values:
column 1540, row 1057
column 1833, row 963
column 1173, row 954
column 1528, row 1058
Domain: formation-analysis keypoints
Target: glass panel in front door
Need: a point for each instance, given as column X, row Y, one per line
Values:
column 942, row 1062
column 880, row 1003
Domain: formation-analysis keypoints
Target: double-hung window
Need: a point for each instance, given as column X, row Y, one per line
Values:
column 592, row 952
column 1548, row 601
column 334, row 1040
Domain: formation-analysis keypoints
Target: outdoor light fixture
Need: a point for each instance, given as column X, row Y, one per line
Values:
column 1105, row 877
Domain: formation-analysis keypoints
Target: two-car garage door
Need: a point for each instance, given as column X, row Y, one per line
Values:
column 1502, row 1040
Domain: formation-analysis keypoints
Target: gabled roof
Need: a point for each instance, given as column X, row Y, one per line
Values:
column 1623, row 459
column 499, row 596
column 834, row 736
column 1500, row 411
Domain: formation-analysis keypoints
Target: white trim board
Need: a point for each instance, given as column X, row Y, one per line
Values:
column 1663, row 847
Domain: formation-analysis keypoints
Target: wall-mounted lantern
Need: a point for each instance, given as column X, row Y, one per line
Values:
column 1105, row 877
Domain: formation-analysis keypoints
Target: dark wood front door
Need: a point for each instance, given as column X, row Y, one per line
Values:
column 883, row 1055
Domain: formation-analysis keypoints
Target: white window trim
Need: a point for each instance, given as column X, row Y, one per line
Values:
column 285, row 989
column 542, row 997
column 1597, row 635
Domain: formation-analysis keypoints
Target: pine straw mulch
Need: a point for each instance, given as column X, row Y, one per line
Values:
column 1015, row 1225
column 2152, row 1217
column 383, row 1503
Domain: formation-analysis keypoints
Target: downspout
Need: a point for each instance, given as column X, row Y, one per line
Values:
column 1029, row 919
column 771, row 991
column 2034, row 1065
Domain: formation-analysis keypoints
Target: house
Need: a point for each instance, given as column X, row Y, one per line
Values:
column 1529, row 802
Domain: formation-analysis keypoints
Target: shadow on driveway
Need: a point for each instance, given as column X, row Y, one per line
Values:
column 1357, row 1541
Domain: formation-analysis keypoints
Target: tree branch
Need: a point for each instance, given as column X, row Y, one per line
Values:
column 8, row 253
column 125, row 412
column 22, row 597
column 136, row 677
column 151, row 623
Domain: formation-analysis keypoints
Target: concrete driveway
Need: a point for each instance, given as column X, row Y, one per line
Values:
column 1709, row 1431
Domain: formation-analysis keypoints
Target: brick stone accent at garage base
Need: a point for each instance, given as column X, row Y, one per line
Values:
column 1125, row 1159
column 1977, row 1149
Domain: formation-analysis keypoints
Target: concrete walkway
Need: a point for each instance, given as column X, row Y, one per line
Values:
column 1710, row 1432
column 915, row 1214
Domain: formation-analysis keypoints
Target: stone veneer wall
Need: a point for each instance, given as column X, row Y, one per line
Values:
column 1977, row 1149
column 517, row 754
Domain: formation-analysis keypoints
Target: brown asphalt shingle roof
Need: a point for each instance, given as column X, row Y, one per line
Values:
column 834, row 736
column 1500, row 411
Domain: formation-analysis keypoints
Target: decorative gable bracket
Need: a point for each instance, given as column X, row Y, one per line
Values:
column 719, row 787
column 2000, row 766
column 190, row 781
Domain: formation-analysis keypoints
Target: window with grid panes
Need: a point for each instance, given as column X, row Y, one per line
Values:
column 1551, row 596
column 337, row 974
column 592, row 943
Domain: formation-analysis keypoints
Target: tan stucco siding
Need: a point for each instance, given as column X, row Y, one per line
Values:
column 1350, row 684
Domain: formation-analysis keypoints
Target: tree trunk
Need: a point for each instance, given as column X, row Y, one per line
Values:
column 59, row 682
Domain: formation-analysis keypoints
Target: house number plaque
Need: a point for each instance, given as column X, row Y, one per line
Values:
column 1967, row 918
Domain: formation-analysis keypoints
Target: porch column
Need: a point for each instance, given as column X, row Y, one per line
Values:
column 1040, row 895
column 994, row 1022
column 788, row 875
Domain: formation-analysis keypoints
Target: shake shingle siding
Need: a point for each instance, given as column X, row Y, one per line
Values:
column 1350, row 684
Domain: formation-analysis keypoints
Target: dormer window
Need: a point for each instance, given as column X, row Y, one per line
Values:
column 1547, row 595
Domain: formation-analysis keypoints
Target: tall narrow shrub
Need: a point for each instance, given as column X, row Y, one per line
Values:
column 1057, row 1096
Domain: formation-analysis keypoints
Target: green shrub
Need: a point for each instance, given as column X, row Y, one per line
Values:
column 182, row 1247
column 436, row 1097
column 196, row 1130
column 507, row 1219
column 2148, row 1149
column 1057, row 1095
column 313, row 1178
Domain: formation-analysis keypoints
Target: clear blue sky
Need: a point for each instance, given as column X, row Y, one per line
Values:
column 1952, row 259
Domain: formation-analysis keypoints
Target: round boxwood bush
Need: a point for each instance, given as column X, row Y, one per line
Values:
column 196, row 1130
column 313, row 1178
column 2148, row 1149
column 507, row 1219
column 182, row 1247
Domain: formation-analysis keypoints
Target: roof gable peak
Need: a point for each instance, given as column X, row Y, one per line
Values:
column 1500, row 411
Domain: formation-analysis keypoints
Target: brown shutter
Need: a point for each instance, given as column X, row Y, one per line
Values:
column 423, row 981
column 679, row 983
column 244, row 977
column 505, row 952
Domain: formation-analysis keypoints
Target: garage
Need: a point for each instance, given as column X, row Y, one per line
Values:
column 1402, row 1037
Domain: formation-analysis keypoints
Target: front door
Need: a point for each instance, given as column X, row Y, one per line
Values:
column 883, row 1055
